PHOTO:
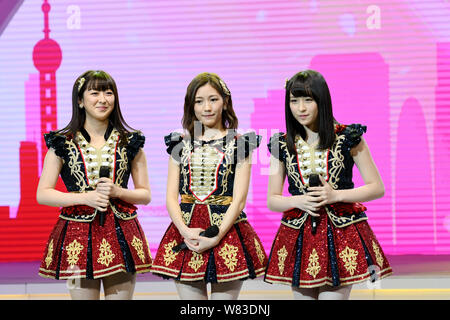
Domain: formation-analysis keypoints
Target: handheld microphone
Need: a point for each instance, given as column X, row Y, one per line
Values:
column 103, row 173
column 314, row 181
column 210, row 232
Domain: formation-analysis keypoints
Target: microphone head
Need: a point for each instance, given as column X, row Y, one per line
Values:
column 104, row 172
column 212, row 231
column 314, row 180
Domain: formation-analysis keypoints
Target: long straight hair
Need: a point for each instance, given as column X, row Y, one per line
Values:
column 101, row 81
column 229, row 119
column 310, row 83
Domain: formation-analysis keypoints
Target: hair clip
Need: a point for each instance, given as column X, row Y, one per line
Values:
column 80, row 83
column 286, row 82
column 224, row 87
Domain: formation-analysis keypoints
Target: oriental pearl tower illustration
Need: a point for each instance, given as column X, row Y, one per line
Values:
column 23, row 238
column 47, row 58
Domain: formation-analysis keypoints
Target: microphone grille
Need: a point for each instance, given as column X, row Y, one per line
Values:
column 104, row 172
column 212, row 231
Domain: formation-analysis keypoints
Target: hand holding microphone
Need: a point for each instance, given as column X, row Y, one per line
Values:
column 210, row 232
column 104, row 173
column 314, row 181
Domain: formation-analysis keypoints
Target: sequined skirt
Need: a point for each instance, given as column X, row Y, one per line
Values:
column 87, row 250
column 238, row 255
column 332, row 256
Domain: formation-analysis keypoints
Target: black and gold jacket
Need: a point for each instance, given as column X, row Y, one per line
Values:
column 81, row 166
column 207, row 170
column 335, row 165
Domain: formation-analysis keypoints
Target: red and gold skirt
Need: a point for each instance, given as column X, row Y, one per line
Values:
column 85, row 249
column 238, row 255
column 334, row 256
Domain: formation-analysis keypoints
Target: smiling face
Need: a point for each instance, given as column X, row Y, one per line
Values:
column 208, row 107
column 98, row 104
column 305, row 111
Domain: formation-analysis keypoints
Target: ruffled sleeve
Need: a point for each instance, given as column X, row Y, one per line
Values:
column 171, row 141
column 136, row 141
column 274, row 145
column 56, row 142
column 353, row 133
column 246, row 143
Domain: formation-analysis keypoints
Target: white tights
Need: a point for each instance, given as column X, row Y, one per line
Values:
column 119, row 286
column 219, row 291
column 322, row 293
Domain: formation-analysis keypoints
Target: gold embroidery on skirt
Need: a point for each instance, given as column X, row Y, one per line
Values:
column 73, row 251
column 282, row 254
column 228, row 254
column 378, row 255
column 48, row 258
column 138, row 246
column 106, row 254
column 349, row 257
column 259, row 251
column 313, row 265
column 170, row 255
column 196, row 261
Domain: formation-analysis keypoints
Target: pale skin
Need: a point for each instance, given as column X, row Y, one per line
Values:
column 208, row 110
column 98, row 106
column 305, row 112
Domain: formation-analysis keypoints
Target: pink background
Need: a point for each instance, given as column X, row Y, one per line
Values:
column 387, row 64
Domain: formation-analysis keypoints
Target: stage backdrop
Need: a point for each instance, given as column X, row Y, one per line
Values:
column 387, row 63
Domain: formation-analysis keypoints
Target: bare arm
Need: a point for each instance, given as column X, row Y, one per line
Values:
column 373, row 187
column 240, row 192
column 47, row 195
column 172, row 204
column 190, row 235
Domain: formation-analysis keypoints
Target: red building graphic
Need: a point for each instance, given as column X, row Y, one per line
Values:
column 24, row 238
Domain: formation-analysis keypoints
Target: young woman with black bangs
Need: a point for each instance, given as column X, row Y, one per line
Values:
column 324, row 243
column 97, row 237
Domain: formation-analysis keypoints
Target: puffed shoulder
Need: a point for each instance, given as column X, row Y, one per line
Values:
column 353, row 133
column 136, row 140
column 171, row 140
column 246, row 143
column 56, row 142
column 274, row 145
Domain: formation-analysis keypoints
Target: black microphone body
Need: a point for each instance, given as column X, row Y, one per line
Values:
column 210, row 232
column 314, row 181
column 103, row 173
